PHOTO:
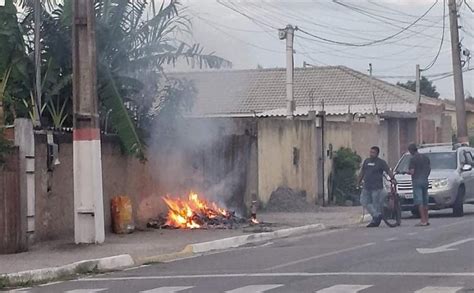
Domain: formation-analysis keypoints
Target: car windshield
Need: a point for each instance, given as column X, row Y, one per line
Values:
column 439, row 161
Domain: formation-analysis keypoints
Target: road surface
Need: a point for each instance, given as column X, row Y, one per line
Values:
column 434, row 259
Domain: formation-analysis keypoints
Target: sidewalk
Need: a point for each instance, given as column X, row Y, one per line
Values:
column 151, row 243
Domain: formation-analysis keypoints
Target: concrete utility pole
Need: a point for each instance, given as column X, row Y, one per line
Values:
column 88, row 193
column 457, row 71
column 418, row 84
column 38, row 104
column 288, row 33
column 418, row 97
column 376, row 111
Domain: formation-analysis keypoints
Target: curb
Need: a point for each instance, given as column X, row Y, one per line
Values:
column 81, row 267
column 237, row 241
column 119, row 262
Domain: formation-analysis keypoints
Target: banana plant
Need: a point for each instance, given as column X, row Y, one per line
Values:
column 57, row 112
column 3, row 87
column 32, row 109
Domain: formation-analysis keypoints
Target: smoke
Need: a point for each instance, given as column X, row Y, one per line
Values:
column 200, row 156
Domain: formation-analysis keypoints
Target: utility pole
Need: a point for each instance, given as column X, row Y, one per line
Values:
column 418, row 97
column 457, row 71
column 38, row 104
column 288, row 33
column 418, row 84
column 88, row 193
column 376, row 111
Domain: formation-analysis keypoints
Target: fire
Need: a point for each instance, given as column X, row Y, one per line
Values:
column 254, row 221
column 193, row 212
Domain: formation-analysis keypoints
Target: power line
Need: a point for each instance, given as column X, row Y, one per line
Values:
column 367, row 10
column 195, row 14
column 239, row 39
column 442, row 40
column 451, row 74
column 308, row 55
column 246, row 15
column 469, row 6
column 301, row 17
column 379, row 18
column 371, row 42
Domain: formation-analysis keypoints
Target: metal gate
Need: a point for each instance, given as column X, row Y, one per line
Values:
column 12, row 239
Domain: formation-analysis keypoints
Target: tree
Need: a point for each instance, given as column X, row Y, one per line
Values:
column 426, row 87
column 135, row 40
column 15, row 66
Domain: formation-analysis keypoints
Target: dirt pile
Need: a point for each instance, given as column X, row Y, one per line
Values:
column 288, row 200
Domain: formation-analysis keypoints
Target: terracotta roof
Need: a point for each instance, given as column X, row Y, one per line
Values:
column 263, row 92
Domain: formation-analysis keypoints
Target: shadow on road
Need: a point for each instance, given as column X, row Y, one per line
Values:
column 445, row 213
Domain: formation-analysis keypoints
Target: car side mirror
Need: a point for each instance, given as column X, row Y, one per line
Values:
column 466, row 168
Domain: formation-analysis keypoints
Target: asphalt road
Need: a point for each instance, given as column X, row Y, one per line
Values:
column 434, row 259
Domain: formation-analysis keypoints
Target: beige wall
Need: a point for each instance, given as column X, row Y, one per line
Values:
column 276, row 140
column 167, row 172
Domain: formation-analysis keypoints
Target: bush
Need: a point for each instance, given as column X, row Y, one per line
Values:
column 346, row 165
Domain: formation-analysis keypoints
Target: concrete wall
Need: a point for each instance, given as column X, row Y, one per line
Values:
column 278, row 139
column 171, row 171
column 434, row 124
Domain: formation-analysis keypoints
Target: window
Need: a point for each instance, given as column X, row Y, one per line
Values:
column 296, row 156
column 469, row 159
column 438, row 161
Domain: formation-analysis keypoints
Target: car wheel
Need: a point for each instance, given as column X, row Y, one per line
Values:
column 458, row 208
column 415, row 212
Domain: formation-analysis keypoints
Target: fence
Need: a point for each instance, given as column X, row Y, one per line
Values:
column 12, row 239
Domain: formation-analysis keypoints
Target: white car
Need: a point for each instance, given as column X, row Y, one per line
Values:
column 451, row 182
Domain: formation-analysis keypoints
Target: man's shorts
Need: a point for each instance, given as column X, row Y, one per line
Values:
column 420, row 193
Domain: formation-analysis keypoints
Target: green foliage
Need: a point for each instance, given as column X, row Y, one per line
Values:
column 426, row 87
column 14, row 64
column 346, row 164
column 135, row 40
column 471, row 141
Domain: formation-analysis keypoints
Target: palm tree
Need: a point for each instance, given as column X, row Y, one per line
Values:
column 134, row 42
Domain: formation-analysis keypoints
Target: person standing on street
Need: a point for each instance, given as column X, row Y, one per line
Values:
column 420, row 169
column 373, row 191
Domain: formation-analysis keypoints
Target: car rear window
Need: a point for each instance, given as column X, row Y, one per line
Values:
column 439, row 161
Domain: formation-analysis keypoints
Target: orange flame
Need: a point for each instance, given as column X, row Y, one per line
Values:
column 190, row 213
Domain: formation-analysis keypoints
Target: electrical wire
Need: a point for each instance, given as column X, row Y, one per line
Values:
column 469, row 6
column 300, row 17
column 441, row 43
column 390, row 9
column 308, row 55
column 371, row 42
column 196, row 14
column 367, row 11
column 379, row 18
column 451, row 74
column 240, row 40
column 245, row 15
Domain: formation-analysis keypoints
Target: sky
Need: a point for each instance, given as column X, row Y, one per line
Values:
column 245, row 32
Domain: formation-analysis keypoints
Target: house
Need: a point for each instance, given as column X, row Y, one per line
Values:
column 451, row 111
column 335, row 107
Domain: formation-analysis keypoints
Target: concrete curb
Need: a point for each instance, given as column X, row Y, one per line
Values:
column 123, row 261
column 81, row 267
column 237, row 241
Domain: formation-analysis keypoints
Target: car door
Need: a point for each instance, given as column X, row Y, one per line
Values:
column 468, row 176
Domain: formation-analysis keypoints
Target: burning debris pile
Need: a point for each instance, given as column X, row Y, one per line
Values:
column 196, row 213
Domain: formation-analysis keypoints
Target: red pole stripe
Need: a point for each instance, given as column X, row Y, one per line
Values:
column 86, row 134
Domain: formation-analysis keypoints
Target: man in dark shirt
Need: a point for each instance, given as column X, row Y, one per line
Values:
column 373, row 191
column 420, row 170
